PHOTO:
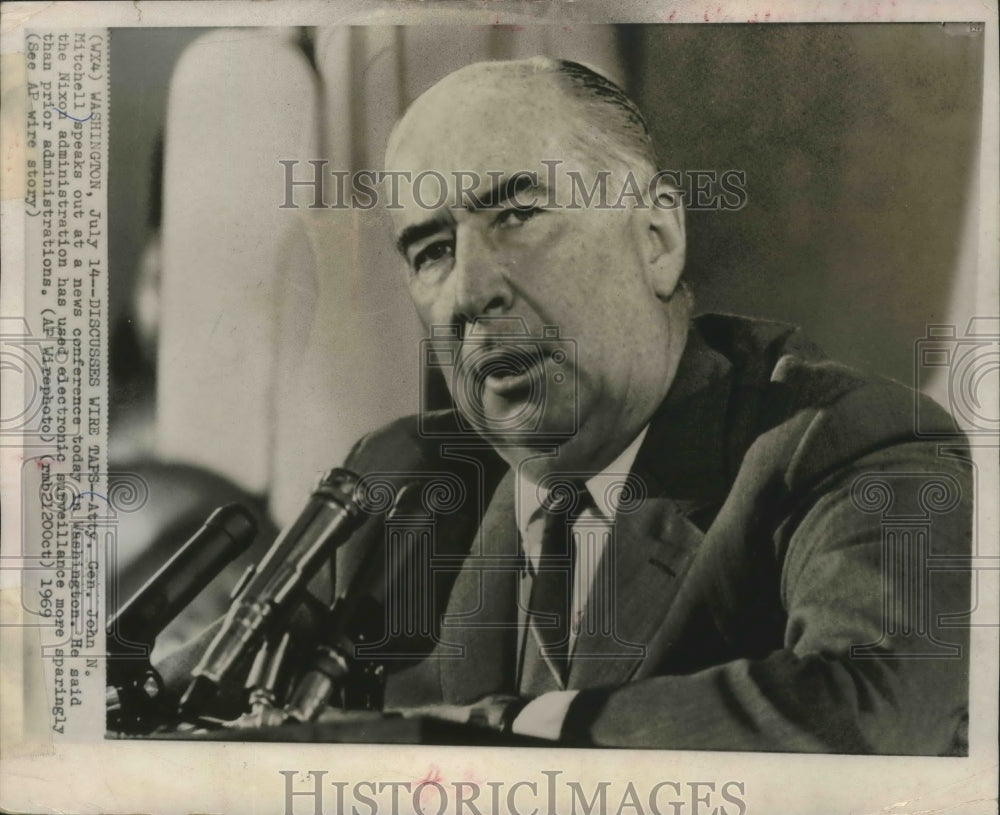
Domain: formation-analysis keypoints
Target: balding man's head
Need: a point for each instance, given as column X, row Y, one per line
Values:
column 593, row 117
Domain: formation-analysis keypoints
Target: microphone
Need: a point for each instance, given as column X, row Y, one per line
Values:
column 273, row 589
column 224, row 536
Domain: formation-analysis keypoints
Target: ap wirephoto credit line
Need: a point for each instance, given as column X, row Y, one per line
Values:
column 445, row 408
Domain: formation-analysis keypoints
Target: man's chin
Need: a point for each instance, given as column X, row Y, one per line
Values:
column 520, row 430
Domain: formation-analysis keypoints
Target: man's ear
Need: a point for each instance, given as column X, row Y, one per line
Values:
column 664, row 239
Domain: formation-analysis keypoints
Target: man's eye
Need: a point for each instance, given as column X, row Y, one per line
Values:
column 515, row 216
column 432, row 253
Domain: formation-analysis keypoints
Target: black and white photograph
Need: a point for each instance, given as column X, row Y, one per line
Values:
column 501, row 407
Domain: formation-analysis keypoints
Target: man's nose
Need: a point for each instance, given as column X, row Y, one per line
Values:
column 481, row 286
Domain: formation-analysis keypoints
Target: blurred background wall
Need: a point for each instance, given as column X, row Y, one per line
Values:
column 279, row 336
column 860, row 146
column 140, row 79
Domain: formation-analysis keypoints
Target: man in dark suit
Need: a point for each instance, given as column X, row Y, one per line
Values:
column 666, row 532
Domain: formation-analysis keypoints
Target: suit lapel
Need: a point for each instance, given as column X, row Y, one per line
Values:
column 481, row 616
column 637, row 579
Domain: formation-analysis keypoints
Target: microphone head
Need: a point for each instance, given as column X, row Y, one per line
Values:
column 227, row 533
column 342, row 486
column 236, row 521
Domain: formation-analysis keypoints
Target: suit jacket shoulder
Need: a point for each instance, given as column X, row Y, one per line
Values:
column 784, row 389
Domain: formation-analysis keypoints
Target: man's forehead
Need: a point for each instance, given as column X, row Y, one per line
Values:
column 482, row 115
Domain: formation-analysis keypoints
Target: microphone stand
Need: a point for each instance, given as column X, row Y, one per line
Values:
column 270, row 594
column 335, row 676
column 263, row 686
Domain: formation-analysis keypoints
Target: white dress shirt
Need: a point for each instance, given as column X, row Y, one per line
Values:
column 543, row 717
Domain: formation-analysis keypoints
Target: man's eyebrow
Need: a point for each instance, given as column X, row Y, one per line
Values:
column 416, row 232
column 504, row 189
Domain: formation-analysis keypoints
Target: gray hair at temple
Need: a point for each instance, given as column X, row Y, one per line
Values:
column 620, row 128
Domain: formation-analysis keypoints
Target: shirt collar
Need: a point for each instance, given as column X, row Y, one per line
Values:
column 530, row 496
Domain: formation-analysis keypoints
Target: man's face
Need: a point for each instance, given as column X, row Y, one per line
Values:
column 594, row 273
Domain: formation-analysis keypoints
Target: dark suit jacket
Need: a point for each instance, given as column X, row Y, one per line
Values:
column 784, row 586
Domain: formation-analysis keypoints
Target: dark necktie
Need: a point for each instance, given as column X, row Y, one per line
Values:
column 550, row 604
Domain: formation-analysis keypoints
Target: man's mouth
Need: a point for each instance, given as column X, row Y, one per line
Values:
column 508, row 372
